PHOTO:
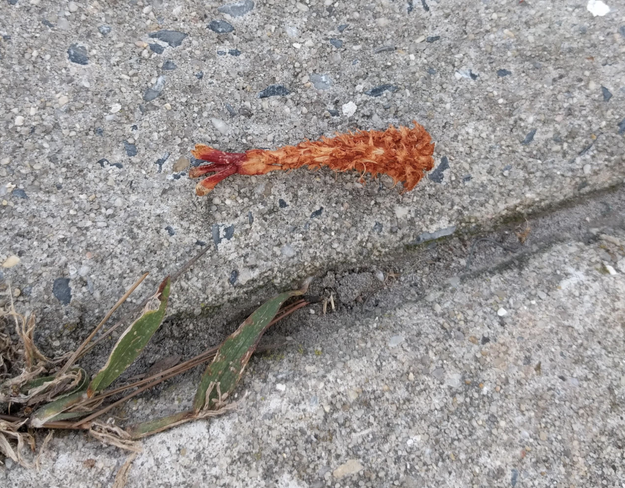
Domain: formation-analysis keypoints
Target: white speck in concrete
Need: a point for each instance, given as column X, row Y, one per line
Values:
column 352, row 466
column 11, row 261
column 502, row 312
column 288, row 251
column 349, row 109
column 19, row 120
column 597, row 8
column 220, row 125
column 401, row 212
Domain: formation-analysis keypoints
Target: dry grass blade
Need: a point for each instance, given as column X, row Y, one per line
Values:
column 43, row 392
column 140, row 307
column 17, row 383
column 122, row 474
column 25, row 328
column 9, row 430
column 82, row 347
column 46, row 441
column 115, row 436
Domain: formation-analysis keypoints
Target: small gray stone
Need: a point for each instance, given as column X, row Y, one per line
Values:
column 157, row 48
column 274, row 91
column 78, row 54
column 171, row 37
column 337, row 43
column 105, row 30
column 288, row 251
column 19, row 193
column 432, row 39
column 316, row 213
column 237, row 9
column 606, row 94
column 529, row 137
column 321, row 82
column 220, row 26
column 395, row 341
column 503, row 72
column 131, row 149
column 62, row 291
column 234, row 276
column 438, row 373
column 437, row 175
column 430, row 236
column 379, row 90
column 155, row 91
column 169, row 66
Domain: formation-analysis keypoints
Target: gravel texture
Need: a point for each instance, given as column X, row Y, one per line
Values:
column 512, row 92
column 503, row 371
column 525, row 101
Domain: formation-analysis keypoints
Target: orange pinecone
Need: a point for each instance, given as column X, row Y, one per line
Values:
column 405, row 154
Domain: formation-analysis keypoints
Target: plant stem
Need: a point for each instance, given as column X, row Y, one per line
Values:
column 79, row 351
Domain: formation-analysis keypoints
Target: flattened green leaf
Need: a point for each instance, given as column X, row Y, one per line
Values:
column 153, row 426
column 223, row 374
column 133, row 340
column 54, row 410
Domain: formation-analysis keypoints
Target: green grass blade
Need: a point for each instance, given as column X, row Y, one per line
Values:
column 223, row 374
column 53, row 410
column 133, row 340
column 153, row 426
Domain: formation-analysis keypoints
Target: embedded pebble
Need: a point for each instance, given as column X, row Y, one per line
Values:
column 19, row 120
column 171, row 37
column 395, row 341
column 288, row 251
column 379, row 90
column 281, row 387
column 529, row 137
column 597, row 8
column 181, row 164
column 220, row 125
column 131, row 149
column 220, row 26
column 274, row 91
column 11, row 261
column 105, row 30
column 321, row 82
column 349, row 109
column 438, row 373
column 155, row 91
column 169, row 66
column 502, row 312
column 352, row 466
column 437, row 175
column 78, row 54
column 606, row 94
column 337, row 43
column 237, row 9
column 503, row 72
column 157, row 48
column 62, row 291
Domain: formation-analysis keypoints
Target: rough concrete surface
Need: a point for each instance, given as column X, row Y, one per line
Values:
column 100, row 103
column 95, row 123
column 508, row 375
